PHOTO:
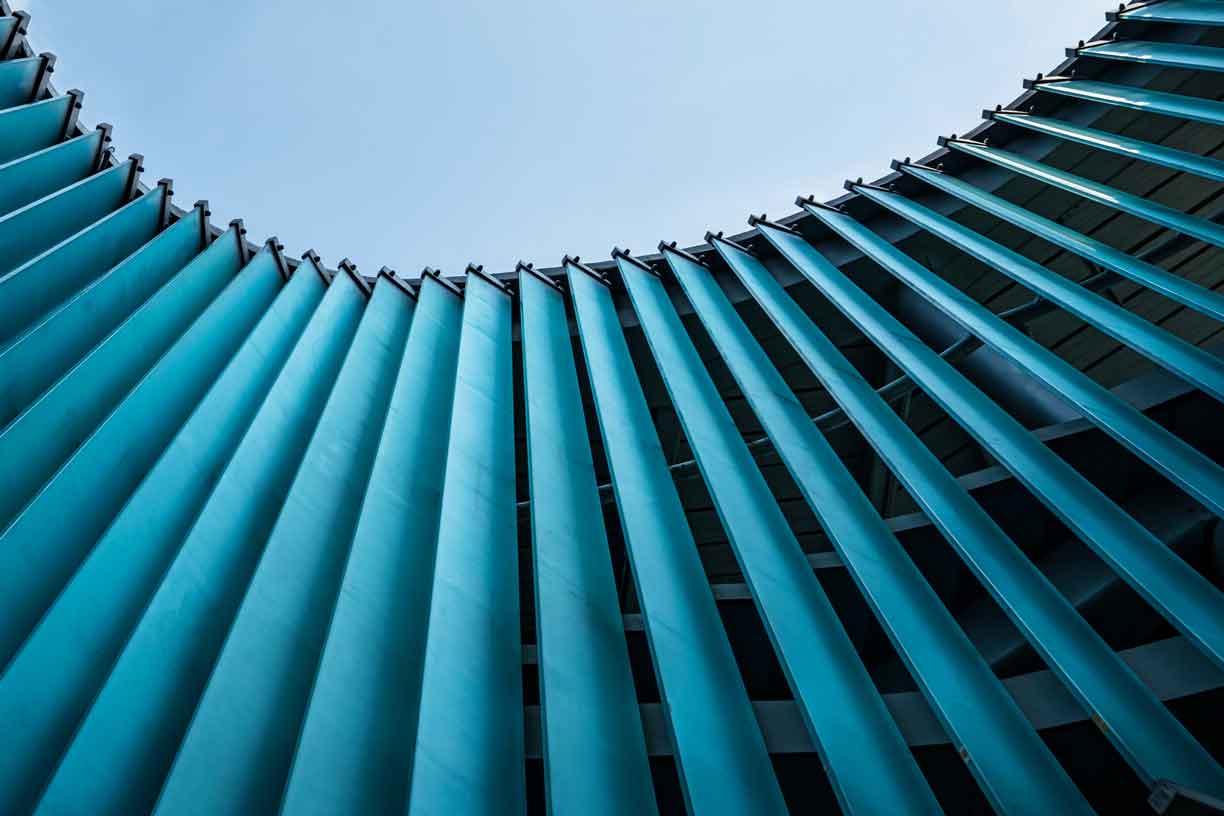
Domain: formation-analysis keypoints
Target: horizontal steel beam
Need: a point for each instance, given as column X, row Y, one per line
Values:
column 1170, row 668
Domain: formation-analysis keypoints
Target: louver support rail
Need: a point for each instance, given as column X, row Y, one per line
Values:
column 907, row 502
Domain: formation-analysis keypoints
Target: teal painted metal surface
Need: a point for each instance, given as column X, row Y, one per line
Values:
column 1179, row 461
column 1147, row 209
column 594, row 749
column 114, row 459
column 721, row 761
column 47, row 350
column 225, row 494
column 1171, row 158
column 1192, row 12
column 106, row 467
column 50, row 683
column 469, row 751
column 1153, row 742
column 52, row 680
column 1159, row 575
column 29, row 128
column 1012, row 765
column 235, row 757
column 1140, row 99
column 165, row 504
column 1145, row 274
column 868, row 763
column 42, row 224
column 31, row 291
column 125, row 744
column 39, row 439
column 1166, row 54
column 1192, row 363
column 17, row 80
column 355, row 752
column 32, row 177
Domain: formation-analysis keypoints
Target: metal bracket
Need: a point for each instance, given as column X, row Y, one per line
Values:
column 900, row 166
column 853, row 186
column 478, row 271
column 1077, row 51
column 103, row 145
column 711, row 237
column 592, row 271
column 989, row 113
column 1173, row 799
column 625, row 255
column 19, row 31
column 754, row 220
column 529, row 269
column 317, row 263
column 205, row 232
column 665, row 246
column 395, row 280
column 644, row 267
column 276, row 249
column 349, row 268
column 1116, row 16
column 43, row 79
column 434, row 274
column 107, row 159
column 133, row 182
column 167, row 186
column 239, row 229
column 1030, row 84
column 74, row 110
column 944, row 141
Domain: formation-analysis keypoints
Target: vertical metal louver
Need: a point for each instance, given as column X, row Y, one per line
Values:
column 908, row 502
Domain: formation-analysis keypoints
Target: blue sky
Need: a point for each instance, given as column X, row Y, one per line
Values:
column 437, row 133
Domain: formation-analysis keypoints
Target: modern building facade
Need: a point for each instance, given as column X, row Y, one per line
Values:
column 907, row 502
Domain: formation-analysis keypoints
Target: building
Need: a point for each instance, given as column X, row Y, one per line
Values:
column 907, row 501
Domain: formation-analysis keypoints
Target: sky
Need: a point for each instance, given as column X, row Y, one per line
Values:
column 422, row 133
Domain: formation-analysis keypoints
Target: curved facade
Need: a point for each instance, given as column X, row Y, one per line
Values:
column 908, row 502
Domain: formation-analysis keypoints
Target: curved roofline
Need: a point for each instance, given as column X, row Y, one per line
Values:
column 699, row 250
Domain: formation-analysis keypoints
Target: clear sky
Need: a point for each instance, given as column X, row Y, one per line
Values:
column 441, row 132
